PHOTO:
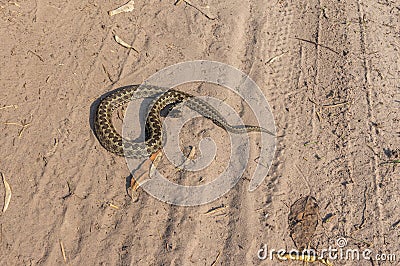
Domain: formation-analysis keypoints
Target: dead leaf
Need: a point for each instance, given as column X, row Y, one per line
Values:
column 190, row 157
column 142, row 174
column 216, row 209
column 303, row 220
column 128, row 7
column 156, row 161
column 7, row 197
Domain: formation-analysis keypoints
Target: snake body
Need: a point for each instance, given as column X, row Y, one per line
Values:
column 112, row 141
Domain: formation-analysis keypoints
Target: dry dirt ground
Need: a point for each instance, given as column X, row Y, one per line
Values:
column 329, row 69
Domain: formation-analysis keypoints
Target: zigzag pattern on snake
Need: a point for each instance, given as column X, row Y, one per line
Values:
column 112, row 141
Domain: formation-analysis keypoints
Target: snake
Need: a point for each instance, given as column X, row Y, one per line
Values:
column 113, row 142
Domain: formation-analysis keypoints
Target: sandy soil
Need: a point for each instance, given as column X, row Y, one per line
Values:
column 329, row 69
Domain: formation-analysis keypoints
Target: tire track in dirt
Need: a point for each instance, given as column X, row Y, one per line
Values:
column 238, row 222
column 184, row 234
column 329, row 87
column 377, row 119
column 278, row 59
column 175, row 237
column 348, row 168
column 371, row 117
column 324, row 72
column 379, row 24
column 360, row 164
column 321, row 74
column 280, row 70
column 328, row 81
column 186, row 248
column 246, row 225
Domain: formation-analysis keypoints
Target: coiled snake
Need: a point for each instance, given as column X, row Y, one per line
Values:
column 112, row 141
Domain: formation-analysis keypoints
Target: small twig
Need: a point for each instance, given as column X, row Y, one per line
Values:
column 317, row 112
column 395, row 224
column 70, row 192
column 326, row 106
column 128, row 7
column 317, row 44
column 335, row 104
column 310, row 143
column 390, row 162
column 195, row 7
column 328, row 218
column 9, row 106
column 14, row 3
column 216, row 259
column 307, row 182
column 124, row 44
column 113, row 206
column 271, row 60
column 7, row 197
column 319, row 116
column 108, row 74
column 22, row 124
column 312, row 101
column 38, row 56
column 63, row 251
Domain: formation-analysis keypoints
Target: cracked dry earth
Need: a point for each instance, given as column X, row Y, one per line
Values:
column 329, row 69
